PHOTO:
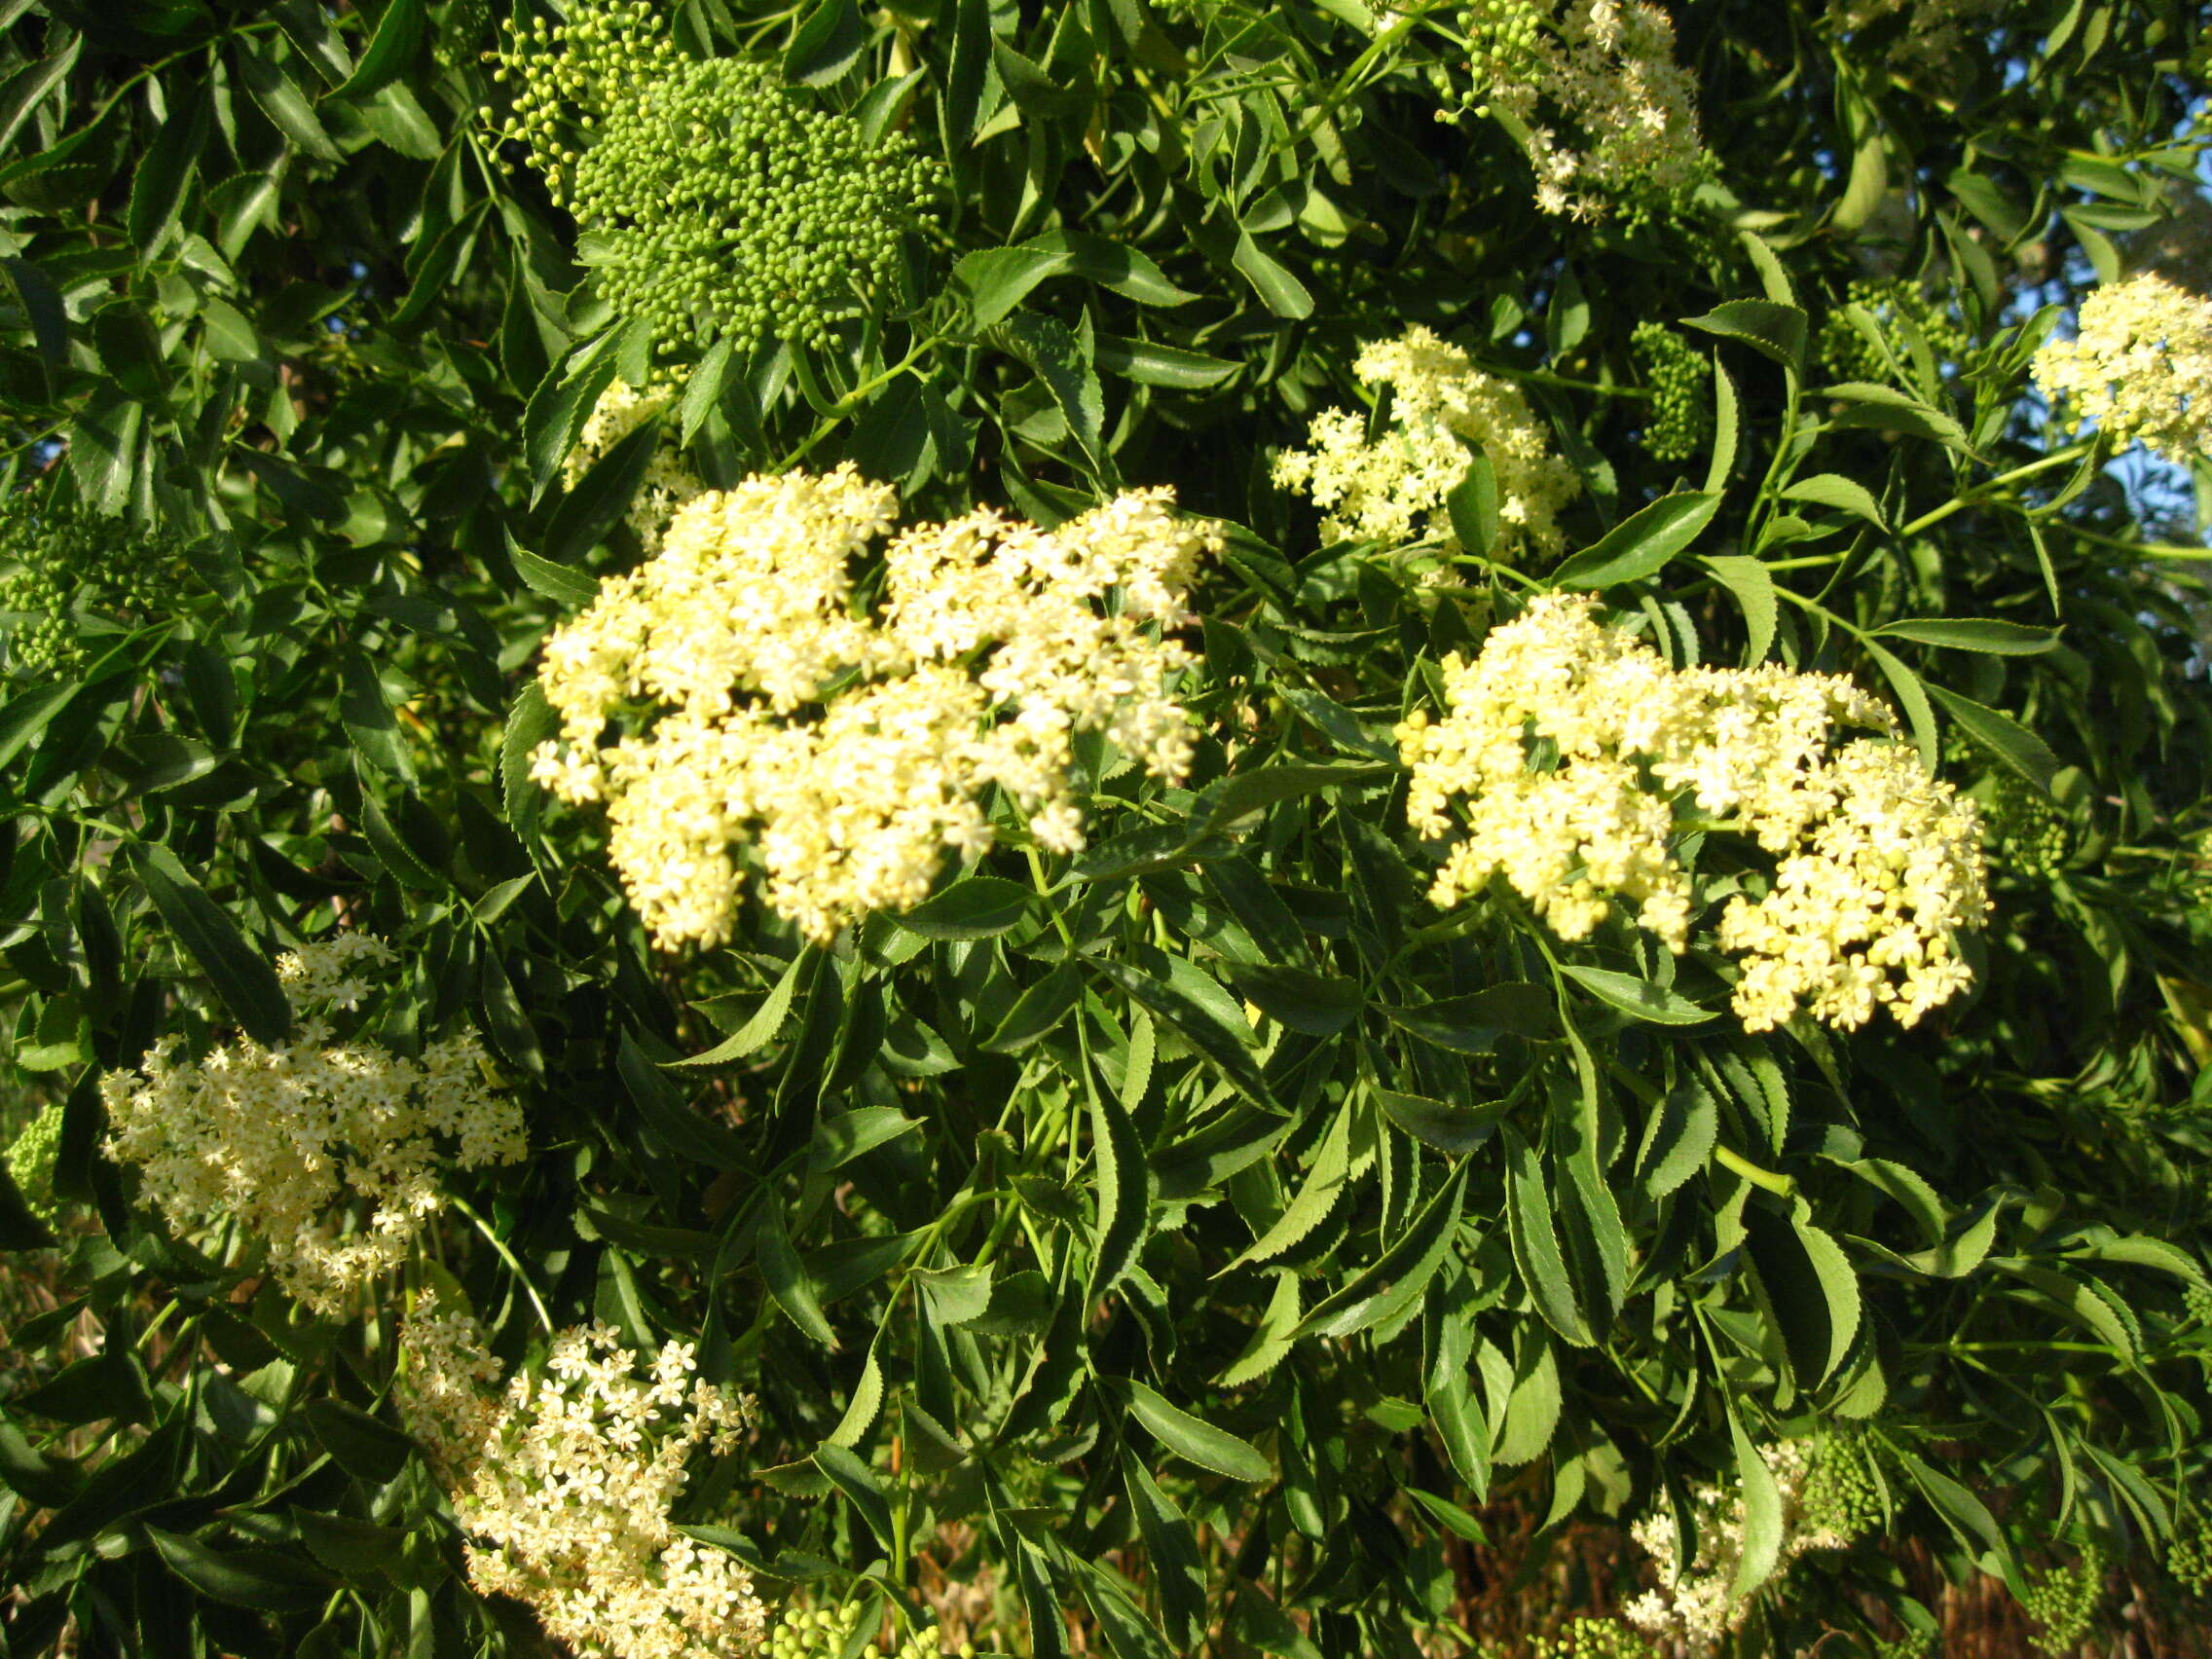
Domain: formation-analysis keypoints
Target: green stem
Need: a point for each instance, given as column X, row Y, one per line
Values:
column 2142, row 549
column 2058, row 457
column 507, row 1256
column 1785, row 1185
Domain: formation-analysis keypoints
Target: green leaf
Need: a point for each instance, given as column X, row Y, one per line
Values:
column 827, row 42
column 1640, row 543
column 1037, row 1011
column 1472, row 1025
column 285, row 105
column 1913, row 694
column 602, row 495
column 1242, row 793
column 1536, row 1240
column 368, row 719
column 2001, row 736
column 166, row 171
column 29, row 715
column 1128, row 271
column 1810, row 1287
column 1761, row 1548
column 1122, row 1188
column 1831, row 489
column 1727, row 419
column 28, row 86
column 370, row 1449
column 1224, row 1040
column 1453, row 1131
column 1053, row 353
column 1473, row 506
column 1886, row 409
column 1984, row 634
column 1150, row 364
column 1639, row 998
column 260, row 1579
column 557, row 411
column 240, row 972
column 392, row 49
column 1279, row 290
column 858, row 1482
column 841, row 1138
column 1754, row 587
column 359, row 1549
column 680, row 1128
column 1679, row 1138
column 997, row 280
column 766, row 1021
column 1178, row 1572
column 570, row 588
column 786, row 1281
column 1317, row 1195
column 1394, row 1281
column 1767, row 326
column 978, row 907
column 1320, row 1005
column 1191, row 1437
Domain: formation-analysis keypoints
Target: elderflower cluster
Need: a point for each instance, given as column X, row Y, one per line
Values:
column 757, row 715
column 327, row 1149
column 1693, row 1607
column 668, row 483
column 2139, row 367
column 1602, row 71
column 1441, row 404
column 711, row 201
column 1572, row 745
column 564, row 1485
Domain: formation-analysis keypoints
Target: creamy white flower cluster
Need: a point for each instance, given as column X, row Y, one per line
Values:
column 1604, row 68
column 1440, row 404
column 1693, row 1606
column 1878, row 864
column 564, row 1484
column 327, row 1149
column 668, row 483
column 2140, row 366
column 752, row 704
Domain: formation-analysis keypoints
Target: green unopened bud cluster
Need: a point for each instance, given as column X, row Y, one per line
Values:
column 57, row 562
column 2189, row 1557
column 712, row 201
column 1843, row 1495
column 822, row 1633
column 1502, row 47
column 1846, row 354
column 2063, row 1600
column 1595, row 1638
column 1679, row 424
column 2026, row 835
column 31, row 1163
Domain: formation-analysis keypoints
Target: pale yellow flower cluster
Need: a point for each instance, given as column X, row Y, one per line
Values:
column 1693, row 1606
column 564, row 1484
column 1606, row 72
column 326, row 1150
column 2139, row 367
column 1394, row 489
column 755, row 708
column 668, row 483
column 1878, row 864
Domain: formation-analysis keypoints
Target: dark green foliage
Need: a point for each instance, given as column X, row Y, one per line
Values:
column 1204, row 1238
